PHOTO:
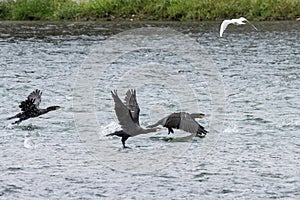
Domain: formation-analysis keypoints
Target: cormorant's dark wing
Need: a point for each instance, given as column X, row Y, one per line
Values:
column 36, row 97
column 27, row 105
column 173, row 120
column 133, row 106
column 124, row 115
column 32, row 102
column 188, row 124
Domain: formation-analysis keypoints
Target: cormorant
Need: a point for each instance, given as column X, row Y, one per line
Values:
column 128, row 116
column 183, row 121
column 30, row 107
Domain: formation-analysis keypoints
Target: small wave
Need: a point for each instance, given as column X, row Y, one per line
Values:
column 29, row 127
column 231, row 128
column 29, row 143
column 10, row 126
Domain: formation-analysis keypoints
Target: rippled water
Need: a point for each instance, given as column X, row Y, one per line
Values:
column 256, row 156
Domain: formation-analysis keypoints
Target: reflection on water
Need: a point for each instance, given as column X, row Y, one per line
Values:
column 256, row 156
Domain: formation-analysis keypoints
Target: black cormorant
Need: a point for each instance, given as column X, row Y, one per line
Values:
column 30, row 107
column 183, row 121
column 128, row 116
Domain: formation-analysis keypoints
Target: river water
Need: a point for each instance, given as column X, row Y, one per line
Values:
column 247, row 83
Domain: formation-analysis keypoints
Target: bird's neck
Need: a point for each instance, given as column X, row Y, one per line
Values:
column 149, row 130
column 51, row 108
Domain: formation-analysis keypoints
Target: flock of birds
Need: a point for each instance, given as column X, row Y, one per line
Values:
column 127, row 114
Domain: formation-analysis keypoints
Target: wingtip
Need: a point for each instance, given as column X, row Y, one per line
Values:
column 38, row 91
column 132, row 91
column 114, row 92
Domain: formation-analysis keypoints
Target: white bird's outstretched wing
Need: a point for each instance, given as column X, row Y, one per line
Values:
column 224, row 26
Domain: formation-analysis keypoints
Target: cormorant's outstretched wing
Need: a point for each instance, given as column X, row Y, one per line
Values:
column 133, row 106
column 27, row 105
column 36, row 96
column 188, row 124
column 124, row 115
column 32, row 102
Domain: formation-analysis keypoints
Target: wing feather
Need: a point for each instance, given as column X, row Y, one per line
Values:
column 190, row 125
column 224, row 26
column 32, row 102
column 131, row 103
column 36, row 96
column 124, row 115
column 27, row 105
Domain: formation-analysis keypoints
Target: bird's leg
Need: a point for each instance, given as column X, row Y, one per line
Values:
column 17, row 122
column 170, row 130
column 124, row 138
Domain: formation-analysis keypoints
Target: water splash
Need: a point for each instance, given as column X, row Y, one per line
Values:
column 29, row 143
column 109, row 128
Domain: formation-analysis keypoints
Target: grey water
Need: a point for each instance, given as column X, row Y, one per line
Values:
column 252, row 107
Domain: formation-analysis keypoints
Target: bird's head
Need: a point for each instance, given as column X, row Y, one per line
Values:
column 197, row 115
column 243, row 19
column 201, row 115
column 53, row 108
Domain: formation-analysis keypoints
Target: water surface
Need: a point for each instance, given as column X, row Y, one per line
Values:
column 256, row 156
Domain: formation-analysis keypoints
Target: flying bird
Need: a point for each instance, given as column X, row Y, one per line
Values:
column 183, row 121
column 30, row 107
column 238, row 21
column 128, row 116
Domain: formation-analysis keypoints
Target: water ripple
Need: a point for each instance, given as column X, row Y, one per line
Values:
column 256, row 156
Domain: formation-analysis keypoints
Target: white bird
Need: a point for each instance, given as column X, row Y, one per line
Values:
column 238, row 21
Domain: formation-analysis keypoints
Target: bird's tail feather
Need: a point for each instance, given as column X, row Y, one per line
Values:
column 202, row 131
column 117, row 133
column 13, row 117
column 111, row 134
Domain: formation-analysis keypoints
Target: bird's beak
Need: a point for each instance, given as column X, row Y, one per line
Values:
column 57, row 107
column 201, row 115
